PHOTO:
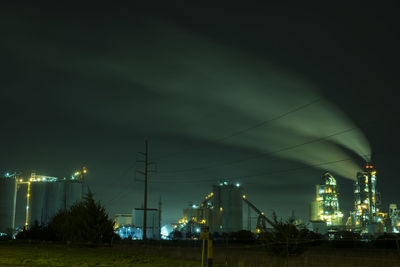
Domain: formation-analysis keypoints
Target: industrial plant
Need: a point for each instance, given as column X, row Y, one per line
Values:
column 325, row 207
column 32, row 198
column 36, row 198
column 222, row 211
column 366, row 218
column 130, row 225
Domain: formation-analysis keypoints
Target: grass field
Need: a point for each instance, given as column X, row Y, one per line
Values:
column 62, row 255
column 178, row 254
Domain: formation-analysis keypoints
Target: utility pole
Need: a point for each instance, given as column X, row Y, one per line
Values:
column 159, row 218
column 145, row 174
column 146, row 163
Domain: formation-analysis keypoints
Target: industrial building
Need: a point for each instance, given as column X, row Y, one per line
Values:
column 8, row 191
column 37, row 198
column 121, row 220
column 48, row 195
column 325, row 207
column 130, row 226
column 221, row 210
column 394, row 216
column 366, row 217
column 228, row 208
column 124, row 227
column 365, row 196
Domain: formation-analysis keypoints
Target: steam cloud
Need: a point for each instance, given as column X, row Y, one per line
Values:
column 217, row 91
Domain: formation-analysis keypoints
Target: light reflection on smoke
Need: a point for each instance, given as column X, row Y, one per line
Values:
column 252, row 91
column 216, row 91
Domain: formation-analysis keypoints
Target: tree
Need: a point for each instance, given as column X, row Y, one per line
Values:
column 37, row 232
column 86, row 221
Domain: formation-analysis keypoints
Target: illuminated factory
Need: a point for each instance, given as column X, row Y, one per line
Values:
column 394, row 217
column 130, row 226
column 325, row 208
column 221, row 211
column 366, row 217
column 37, row 198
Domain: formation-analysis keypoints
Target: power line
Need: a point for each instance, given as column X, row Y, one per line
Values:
column 130, row 183
column 201, row 168
column 260, row 124
column 262, row 173
column 239, row 132
column 208, row 180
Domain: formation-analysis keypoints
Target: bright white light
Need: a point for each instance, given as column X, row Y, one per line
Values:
column 165, row 231
column 237, row 184
column 198, row 230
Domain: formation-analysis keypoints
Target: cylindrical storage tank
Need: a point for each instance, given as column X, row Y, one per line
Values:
column 73, row 192
column 54, row 199
column 60, row 198
column 20, row 215
column 232, row 215
column 228, row 208
column 37, row 203
column 7, row 196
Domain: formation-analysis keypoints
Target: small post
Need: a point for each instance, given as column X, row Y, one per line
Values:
column 202, row 253
column 205, row 235
column 210, row 253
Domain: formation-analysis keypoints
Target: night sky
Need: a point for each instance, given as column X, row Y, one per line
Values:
column 268, row 95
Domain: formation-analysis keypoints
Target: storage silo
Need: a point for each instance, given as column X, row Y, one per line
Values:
column 37, row 203
column 73, row 192
column 8, row 188
column 46, row 198
column 55, row 192
column 227, row 208
column 20, row 215
column 49, row 195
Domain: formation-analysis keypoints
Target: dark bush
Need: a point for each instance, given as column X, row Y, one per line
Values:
column 85, row 221
column 37, row 232
column 346, row 239
column 176, row 235
column 216, row 236
column 285, row 238
column 387, row 241
column 242, row 236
